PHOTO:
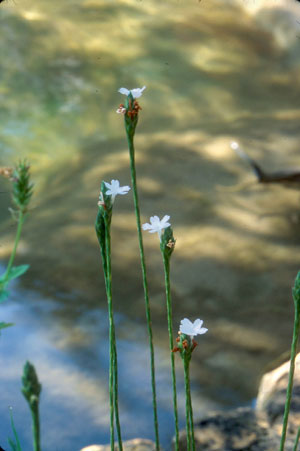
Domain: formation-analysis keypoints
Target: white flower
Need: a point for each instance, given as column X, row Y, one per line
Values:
column 192, row 329
column 136, row 93
column 114, row 188
column 157, row 225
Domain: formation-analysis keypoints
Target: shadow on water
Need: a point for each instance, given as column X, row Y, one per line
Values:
column 210, row 79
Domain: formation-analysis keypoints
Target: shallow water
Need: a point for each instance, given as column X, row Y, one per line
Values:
column 214, row 72
column 71, row 358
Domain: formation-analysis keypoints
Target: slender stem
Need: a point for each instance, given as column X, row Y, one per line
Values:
column 115, row 359
column 35, row 426
column 116, row 396
column 297, row 440
column 291, row 377
column 111, row 334
column 187, row 404
column 191, row 416
column 17, row 239
column 145, row 283
column 170, row 330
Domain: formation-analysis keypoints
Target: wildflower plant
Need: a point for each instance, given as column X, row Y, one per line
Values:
column 185, row 346
column 167, row 244
column 21, row 196
column 107, row 196
column 130, row 110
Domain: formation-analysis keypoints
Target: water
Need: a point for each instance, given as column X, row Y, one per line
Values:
column 215, row 72
column 71, row 359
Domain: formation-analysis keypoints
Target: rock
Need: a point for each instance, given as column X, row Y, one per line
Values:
column 137, row 444
column 235, row 430
column 249, row 429
column 272, row 394
column 242, row 429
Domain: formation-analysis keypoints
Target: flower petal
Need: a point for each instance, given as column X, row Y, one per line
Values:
column 154, row 219
column 186, row 327
column 197, row 324
column 203, row 330
column 136, row 93
column 123, row 189
column 146, row 226
column 124, row 91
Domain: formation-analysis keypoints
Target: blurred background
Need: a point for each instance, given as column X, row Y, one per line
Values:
column 215, row 72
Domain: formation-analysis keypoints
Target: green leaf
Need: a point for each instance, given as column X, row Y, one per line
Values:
column 15, row 445
column 12, row 444
column 17, row 271
column 4, row 325
column 3, row 295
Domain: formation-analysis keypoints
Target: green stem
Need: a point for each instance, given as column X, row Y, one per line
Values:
column 17, row 239
column 145, row 283
column 187, row 404
column 291, row 377
column 111, row 333
column 107, row 279
column 297, row 440
column 166, row 261
column 116, row 395
column 191, row 418
column 35, row 426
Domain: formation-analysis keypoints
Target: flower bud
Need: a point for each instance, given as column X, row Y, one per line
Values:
column 167, row 243
column 31, row 387
column 22, row 188
column 131, row 116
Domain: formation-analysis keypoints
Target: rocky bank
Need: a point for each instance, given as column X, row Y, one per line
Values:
column 244, row 428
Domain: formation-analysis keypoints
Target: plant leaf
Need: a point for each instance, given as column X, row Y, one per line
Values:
column 17, row 271
column 15, row 446
column 3, row 295
column 12, row 444
column 4, row 325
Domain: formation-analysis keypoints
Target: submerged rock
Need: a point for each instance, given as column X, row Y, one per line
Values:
column 137, row 444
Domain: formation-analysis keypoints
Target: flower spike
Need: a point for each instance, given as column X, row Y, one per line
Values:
column 131, row 109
